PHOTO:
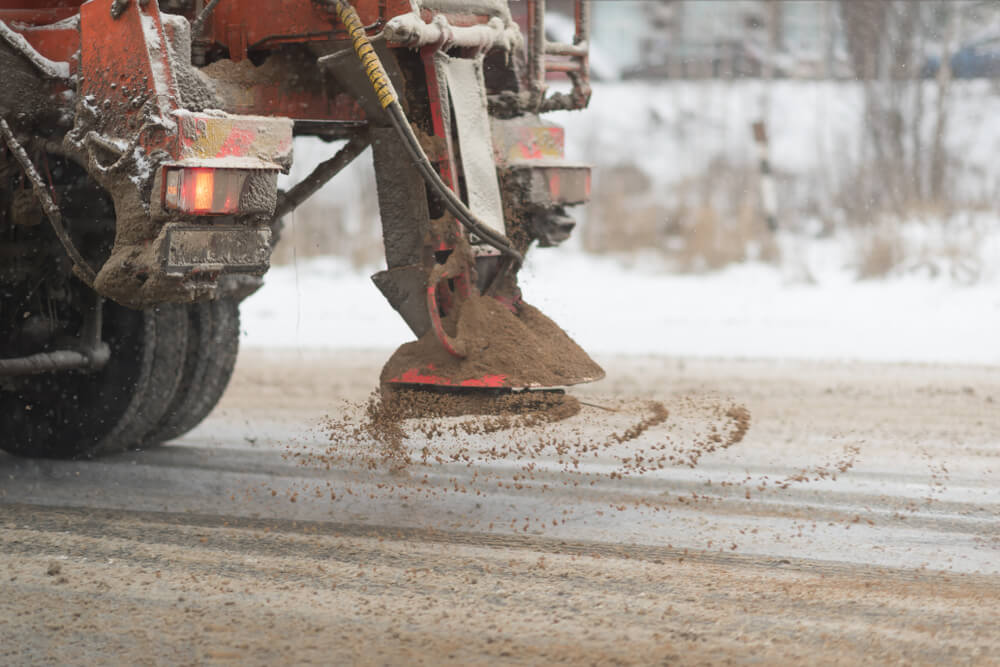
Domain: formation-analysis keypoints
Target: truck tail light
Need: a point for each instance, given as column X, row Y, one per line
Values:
column 204, row 190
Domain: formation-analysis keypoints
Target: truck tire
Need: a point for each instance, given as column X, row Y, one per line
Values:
column 81, row 415
column 213, row 343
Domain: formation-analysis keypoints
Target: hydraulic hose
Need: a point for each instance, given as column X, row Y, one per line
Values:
column 390, row 102
column 199, row 22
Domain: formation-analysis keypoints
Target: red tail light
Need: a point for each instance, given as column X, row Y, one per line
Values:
column 204, row 190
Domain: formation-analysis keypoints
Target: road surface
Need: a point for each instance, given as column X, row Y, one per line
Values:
column 857, row 520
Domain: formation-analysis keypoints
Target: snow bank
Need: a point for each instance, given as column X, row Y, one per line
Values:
column 943, row 305
column 746, row 311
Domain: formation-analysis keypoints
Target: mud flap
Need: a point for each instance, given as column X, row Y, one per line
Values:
column 467, row 92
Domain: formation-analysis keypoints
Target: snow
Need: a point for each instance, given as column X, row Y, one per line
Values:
column 320, row 303
column 411, row 30
column 143, row 167
column 750, row 310
column 157, row 53
column 941, row 305
column 69, row 23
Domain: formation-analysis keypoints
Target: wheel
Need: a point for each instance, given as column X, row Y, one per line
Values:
column 213, row 343
column 85, row 414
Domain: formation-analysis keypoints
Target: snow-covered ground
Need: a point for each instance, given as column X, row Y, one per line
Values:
column 749, row 310
column 940, row 303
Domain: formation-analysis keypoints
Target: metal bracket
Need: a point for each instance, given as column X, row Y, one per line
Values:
column 569, row 58
column 92, row 354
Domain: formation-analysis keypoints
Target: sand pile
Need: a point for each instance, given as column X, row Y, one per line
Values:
column 529, row 349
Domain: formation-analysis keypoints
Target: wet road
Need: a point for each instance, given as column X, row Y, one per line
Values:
column 886, row 475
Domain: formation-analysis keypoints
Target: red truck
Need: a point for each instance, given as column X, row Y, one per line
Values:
column 140, row 145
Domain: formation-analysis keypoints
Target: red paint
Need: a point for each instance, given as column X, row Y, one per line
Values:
column 446, row 167
column 539, row 143
column 115, row 64
column 460, row 284
column 530, row 150
column 238, row 26
column 555, row 181
column 114, row 50
column 238, row 143
column 485, row 381
column 558, row 136
column 426, row 376
column 247, row 25
column 38, row 13
column 57, row 45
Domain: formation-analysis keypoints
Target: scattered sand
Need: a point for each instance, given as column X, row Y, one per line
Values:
column 150, row 589
column 354, row 586
column 515, row 439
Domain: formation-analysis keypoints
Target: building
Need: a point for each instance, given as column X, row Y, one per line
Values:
column 721, row 38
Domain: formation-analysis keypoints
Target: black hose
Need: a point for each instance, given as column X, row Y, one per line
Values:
column 390, row 102
column 199, row 22
column 448, row 197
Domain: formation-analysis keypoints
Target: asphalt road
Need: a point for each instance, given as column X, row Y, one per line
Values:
column 858, row 519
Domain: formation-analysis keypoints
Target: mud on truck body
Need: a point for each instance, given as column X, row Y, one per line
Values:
column 141, row 145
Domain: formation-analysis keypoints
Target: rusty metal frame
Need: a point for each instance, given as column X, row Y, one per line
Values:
column 572, row 59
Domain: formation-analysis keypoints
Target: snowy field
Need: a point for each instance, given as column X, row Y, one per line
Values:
column 941, row 303
column 749, row 310
column 674, row 132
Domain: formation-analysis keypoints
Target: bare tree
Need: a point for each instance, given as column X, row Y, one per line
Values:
column 939, row 159
column 887, row 42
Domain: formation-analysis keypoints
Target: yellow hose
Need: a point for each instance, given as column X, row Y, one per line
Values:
column 390, row 102
column 373, row 66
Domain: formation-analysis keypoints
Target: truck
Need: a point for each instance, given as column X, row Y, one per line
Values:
column 140, row 147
